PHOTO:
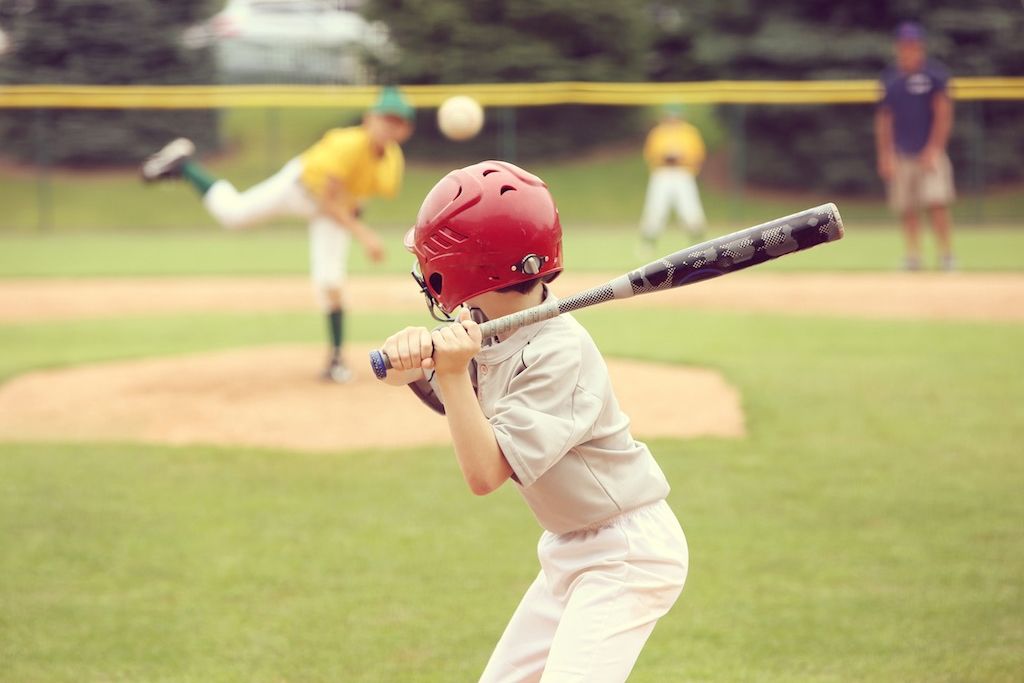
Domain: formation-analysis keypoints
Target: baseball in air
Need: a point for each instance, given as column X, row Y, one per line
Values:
column 460, row 117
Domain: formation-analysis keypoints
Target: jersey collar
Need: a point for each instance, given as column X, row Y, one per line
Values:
column 517, row 341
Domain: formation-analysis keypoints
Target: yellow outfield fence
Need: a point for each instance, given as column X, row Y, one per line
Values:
column 488, row 94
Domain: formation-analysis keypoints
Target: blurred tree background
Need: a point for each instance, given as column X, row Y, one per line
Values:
column 831, row 147
column 491, row 41
column 101, row 42
column 825, row 147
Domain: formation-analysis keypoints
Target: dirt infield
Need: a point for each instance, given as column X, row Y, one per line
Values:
column 942, row 296
column 269, row 398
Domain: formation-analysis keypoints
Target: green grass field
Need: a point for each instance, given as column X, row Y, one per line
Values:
column 284, row 251
column 868, row 528
column 599, row 189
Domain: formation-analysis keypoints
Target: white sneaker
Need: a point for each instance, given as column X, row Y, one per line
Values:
column 338, row 373
column 912, row 264
column 645, row 250
column 168, row 161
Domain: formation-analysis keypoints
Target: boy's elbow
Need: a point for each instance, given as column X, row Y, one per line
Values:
column 482, row 486
column 479, row 489
column 487, row 470
column 483, row 483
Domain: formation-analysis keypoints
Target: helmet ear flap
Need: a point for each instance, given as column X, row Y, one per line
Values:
column 433, row 305
column 436, row 283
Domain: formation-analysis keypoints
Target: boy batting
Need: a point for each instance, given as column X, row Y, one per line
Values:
column 536, row 406
column 327, row 185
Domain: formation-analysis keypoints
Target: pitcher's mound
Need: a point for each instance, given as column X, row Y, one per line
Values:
column 270, row 397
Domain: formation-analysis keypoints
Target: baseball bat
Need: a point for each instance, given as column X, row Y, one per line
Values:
column 727, row 254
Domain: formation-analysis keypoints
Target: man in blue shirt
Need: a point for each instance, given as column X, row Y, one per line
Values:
column 912, row 126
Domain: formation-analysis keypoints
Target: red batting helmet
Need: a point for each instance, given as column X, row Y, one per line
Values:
column 482, row 228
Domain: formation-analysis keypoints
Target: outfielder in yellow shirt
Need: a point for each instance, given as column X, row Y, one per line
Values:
column 327, row 185
column 674, row 152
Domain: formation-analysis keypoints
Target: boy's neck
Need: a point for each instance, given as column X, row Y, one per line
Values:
column 506, row 303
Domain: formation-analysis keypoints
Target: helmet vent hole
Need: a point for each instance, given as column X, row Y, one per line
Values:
column 490, row 171
column 507, row 188
column 435, row 283
column 457, row 194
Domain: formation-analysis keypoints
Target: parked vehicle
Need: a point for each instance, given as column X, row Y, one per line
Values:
column 292, row 41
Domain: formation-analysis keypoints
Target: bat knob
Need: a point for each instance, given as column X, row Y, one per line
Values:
column 380, row 363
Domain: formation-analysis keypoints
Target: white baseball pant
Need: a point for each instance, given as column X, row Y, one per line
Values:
column 283, row 194
column 599, row 593
column 671, row 188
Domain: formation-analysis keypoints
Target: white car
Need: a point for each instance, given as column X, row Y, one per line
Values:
column 292, row 40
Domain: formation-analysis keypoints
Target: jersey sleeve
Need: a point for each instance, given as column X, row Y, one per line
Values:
column 885, row 89
column 426, row 391
column 696, row 152
column 389, row 171
column 651, row 151
column 940, row 76
column 545, row 413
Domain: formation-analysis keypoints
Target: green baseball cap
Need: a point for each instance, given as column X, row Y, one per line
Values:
column 675, row 110
column 392, row 103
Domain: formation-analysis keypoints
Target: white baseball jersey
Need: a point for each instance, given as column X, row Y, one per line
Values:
column 613, row 556
column 547, row 394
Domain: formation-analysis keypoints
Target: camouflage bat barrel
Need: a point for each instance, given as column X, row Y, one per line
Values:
column 734, row 252
column 704, row 261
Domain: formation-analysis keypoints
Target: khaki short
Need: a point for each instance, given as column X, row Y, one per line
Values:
column 913, row 186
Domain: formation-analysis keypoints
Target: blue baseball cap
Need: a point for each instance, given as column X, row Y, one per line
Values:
column 910, row 31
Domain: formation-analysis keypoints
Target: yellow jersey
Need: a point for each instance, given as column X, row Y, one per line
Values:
column 347, row 155
column 675, row 143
